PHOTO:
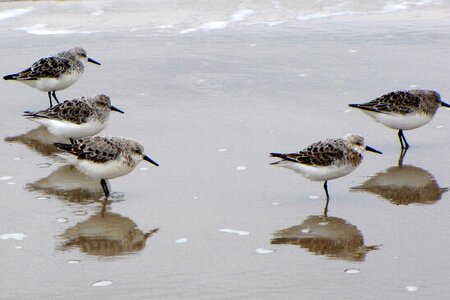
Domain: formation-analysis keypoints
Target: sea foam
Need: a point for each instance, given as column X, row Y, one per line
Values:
column 13, row 13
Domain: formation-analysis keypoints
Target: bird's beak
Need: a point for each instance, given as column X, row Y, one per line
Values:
column 116, row 109
column 445, row 104
column 150, row 160
column 368, row 148
column 93, row 61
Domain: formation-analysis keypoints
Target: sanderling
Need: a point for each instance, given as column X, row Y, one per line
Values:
column 75, row 118
column 326, row 160
column 54, row 73
column 403, row 110
column 104, row 157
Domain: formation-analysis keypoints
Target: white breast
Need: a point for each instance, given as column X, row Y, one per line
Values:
column 403, row 122
column 67, row 130
column 54, row 84
column 316, row 173
column 106, row 170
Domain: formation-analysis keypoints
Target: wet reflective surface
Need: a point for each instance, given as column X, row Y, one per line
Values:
column 106, row 234
column 210, row 90
column 69, row 184
column 330, row 236
column 403, row 185
column 38, row 140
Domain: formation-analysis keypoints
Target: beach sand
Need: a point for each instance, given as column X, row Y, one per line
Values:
column 210, row 91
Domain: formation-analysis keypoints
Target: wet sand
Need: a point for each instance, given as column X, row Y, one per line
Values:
column 209, row 106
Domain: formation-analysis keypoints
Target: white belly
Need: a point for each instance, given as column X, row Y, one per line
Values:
column 107, row 170
column 67, row 130
column 319, row 173
column 400, row 122
column 54, row 84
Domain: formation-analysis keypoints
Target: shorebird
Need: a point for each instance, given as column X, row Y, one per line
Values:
column 403, row 110
column 54, row 73
column 104, row 158
column 76, row 118
column 326, row 160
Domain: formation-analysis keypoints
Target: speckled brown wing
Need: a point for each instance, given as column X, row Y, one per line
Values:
column 399, row 102
column 318, row 154
column 97, row 149
column 74, row 111
column 48, row 67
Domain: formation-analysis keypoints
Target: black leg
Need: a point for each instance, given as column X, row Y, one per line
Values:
column 54, row 96
column 400, row 138
column 106, row 191
column 325, row 186
column 325, row 210
column 50, row 98
column 72, row 141
column 403, row 141
column 105, row 187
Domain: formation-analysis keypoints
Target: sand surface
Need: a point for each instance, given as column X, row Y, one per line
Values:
column 210, row 90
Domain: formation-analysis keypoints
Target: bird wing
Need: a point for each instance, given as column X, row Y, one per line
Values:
column 96, row 149
column 48, row 67
column 400, row 102
column 320, row 154
column 74, row 111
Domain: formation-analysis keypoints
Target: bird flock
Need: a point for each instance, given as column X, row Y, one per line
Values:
column 102, row 158
column 80, row 119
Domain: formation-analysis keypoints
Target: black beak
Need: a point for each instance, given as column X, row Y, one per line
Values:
column 116, row 109
column 150, row 160
column 445, row 104
column 93, row 61
column 368, row 148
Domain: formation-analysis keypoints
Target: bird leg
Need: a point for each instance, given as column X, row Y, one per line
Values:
column 325, row 210
column 105, row 187
column 106, row 191
column 50, row 98
column 402, row 139
column 54, row 96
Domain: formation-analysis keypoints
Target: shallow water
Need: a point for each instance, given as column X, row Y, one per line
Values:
column 209, row 102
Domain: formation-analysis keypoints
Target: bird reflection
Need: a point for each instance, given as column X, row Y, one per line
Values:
column 401, row 157
column 39, row 140
column 69, row 184
column 106, row 234
column 329, row 236
column 404, row 185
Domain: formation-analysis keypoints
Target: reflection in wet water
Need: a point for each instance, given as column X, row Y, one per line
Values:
column 329, row 236
column 39, row 140
column 402, row 157
column 404, row 185
column 106, row 234
column 67, row 183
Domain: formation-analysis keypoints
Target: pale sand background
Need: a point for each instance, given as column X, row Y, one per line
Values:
column 251, row 78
